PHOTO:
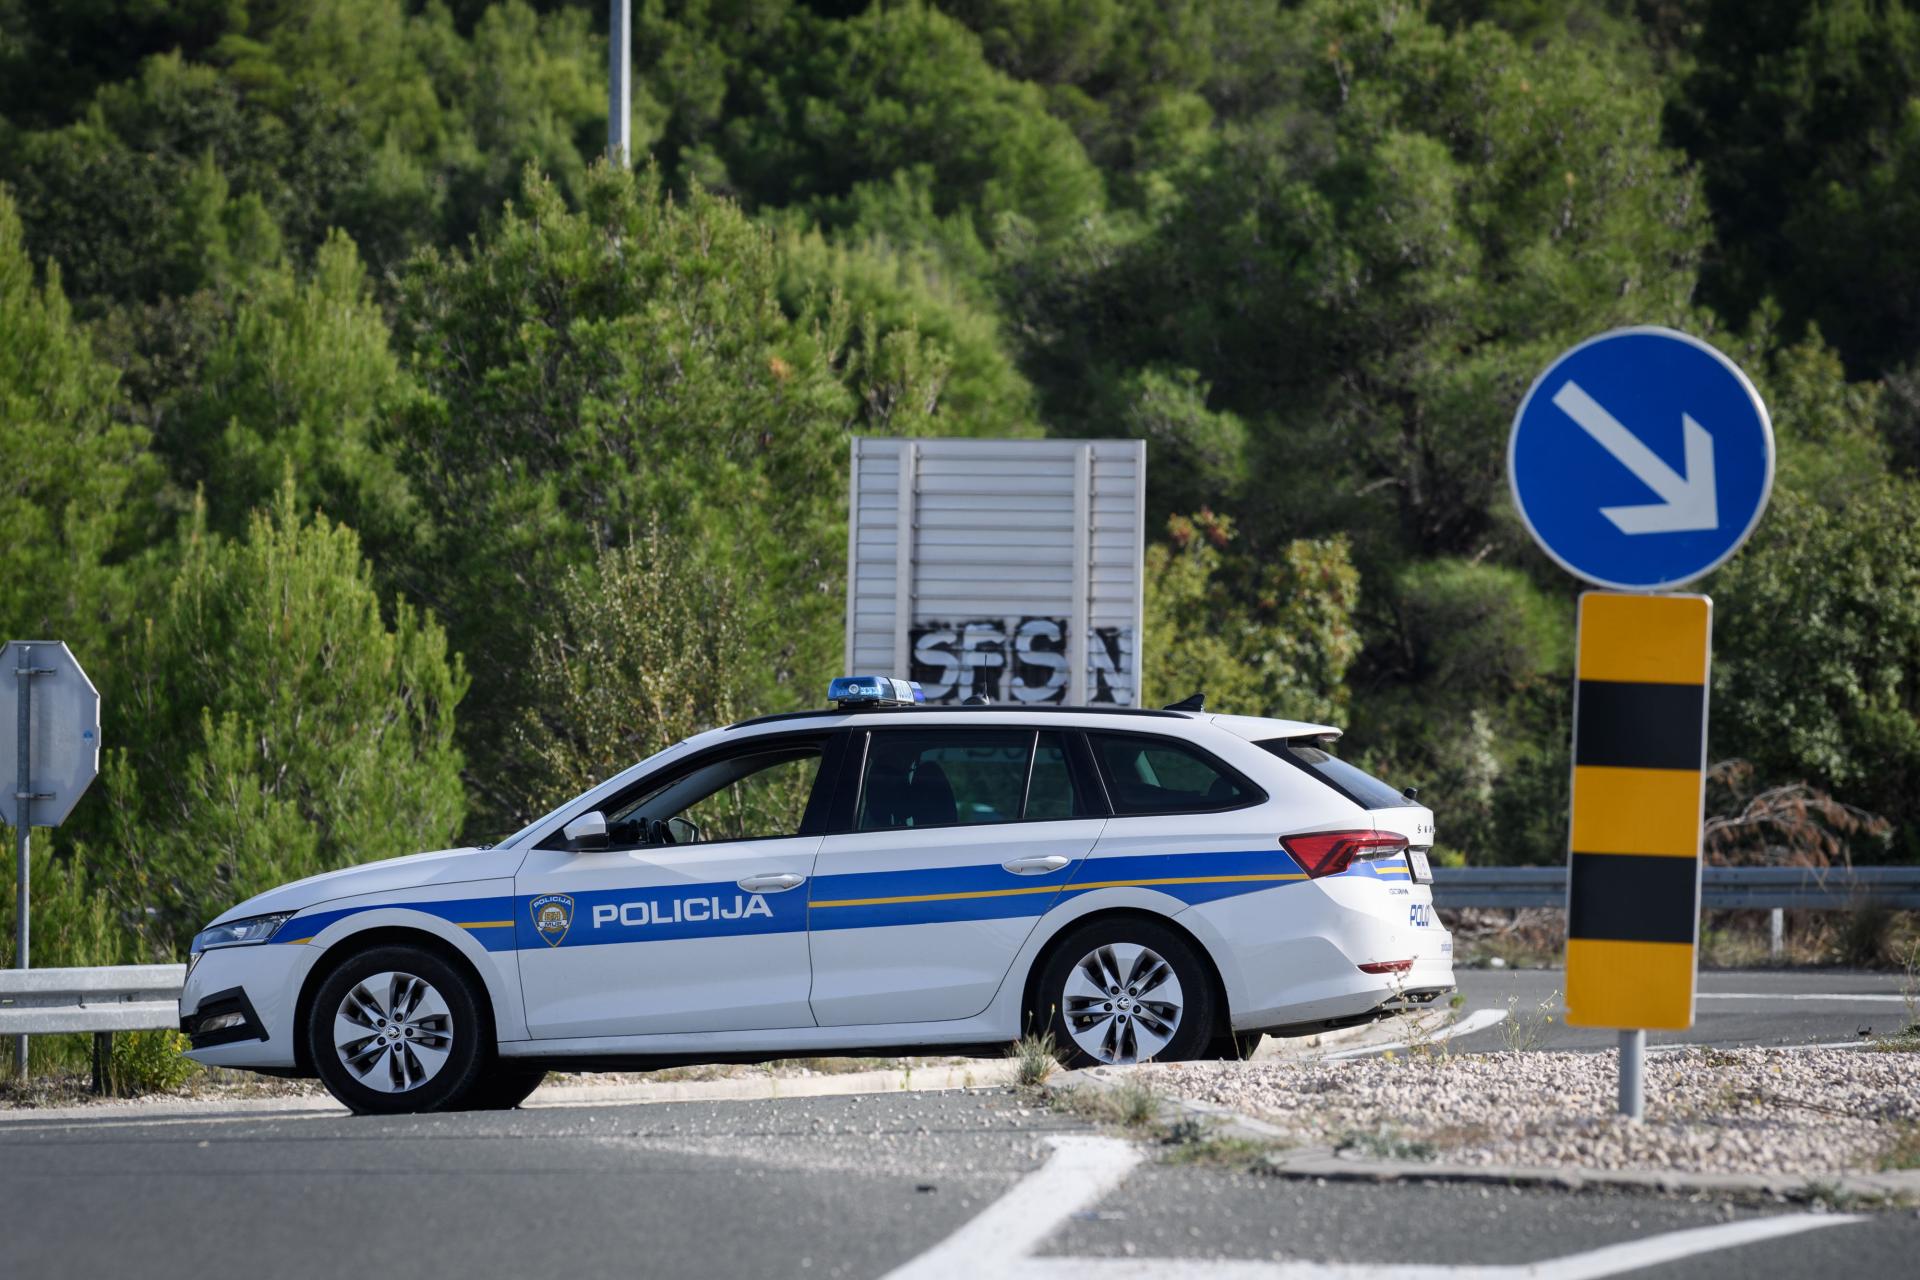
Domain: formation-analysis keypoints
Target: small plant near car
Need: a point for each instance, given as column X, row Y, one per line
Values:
column 1427, row 1038
column 1523, row 1031
column 1035, row 1058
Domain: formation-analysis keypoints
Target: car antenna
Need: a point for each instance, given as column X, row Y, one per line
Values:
column 977, row 700
column 1192, row 702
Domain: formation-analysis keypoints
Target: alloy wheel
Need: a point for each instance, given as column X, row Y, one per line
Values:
column 393, row 1032
column 1122, row 1003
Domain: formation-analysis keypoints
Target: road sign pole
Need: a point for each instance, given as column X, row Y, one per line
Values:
column 23, row 801
column 1633, row 1069
column 620, row 82
column 1624, row 417
column 56, row 756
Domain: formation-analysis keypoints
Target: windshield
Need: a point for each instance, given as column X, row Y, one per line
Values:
column 600, row 791
column 1351, row 781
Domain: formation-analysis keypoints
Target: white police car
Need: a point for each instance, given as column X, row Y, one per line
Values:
column 1146, row 884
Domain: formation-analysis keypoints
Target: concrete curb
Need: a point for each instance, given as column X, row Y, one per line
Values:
column 979, row 1073
column 975, row 1074
column 1324, row 1163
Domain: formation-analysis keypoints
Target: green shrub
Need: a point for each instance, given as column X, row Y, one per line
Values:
column 150, row 1062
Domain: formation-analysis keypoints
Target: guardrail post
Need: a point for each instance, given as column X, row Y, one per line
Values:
column 1778, row 931
column 102, row 1062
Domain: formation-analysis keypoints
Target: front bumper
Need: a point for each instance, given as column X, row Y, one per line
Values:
column 224, row 1017
column 261, row 982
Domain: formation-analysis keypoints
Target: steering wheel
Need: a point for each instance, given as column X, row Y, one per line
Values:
column 658, row 832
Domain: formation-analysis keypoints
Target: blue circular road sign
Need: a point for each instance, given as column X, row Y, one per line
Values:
column 1641, row 459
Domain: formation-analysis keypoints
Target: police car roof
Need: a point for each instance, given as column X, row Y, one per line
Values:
column 943, row 708
column 1253, row 728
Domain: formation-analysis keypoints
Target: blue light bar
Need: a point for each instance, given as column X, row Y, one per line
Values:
column 874, row 691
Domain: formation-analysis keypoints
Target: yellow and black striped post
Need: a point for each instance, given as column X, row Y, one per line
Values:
column 1639, row 765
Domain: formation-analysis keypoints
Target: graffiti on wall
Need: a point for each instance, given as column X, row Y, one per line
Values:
column 1022, row 660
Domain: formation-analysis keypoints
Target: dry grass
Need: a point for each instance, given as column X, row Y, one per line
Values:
column 1130, row 1104
column 1903, row 1150
column 1870, row 938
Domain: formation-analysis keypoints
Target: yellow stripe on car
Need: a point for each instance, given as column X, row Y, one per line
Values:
column 1048, row 888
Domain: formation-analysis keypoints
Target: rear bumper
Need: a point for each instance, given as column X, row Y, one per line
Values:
column 1290, row 957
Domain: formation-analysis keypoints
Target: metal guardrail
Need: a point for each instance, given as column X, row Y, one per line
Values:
column 131, row 997
column 1722, row 888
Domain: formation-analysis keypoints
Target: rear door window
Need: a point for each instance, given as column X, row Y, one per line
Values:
column 1351, row 781
column 961, row 777
column 1147, row 775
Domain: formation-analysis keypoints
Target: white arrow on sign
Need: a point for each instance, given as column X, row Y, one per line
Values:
column 1688, row 502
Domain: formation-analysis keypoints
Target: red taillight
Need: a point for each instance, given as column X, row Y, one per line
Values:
column 1387, row 966
column 1328, row 853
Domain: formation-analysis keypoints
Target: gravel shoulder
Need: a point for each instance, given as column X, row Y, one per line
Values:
column 1805, row 1112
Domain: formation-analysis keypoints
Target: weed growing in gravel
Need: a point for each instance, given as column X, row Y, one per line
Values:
column 1134, row 1102
column 1218, row 1151
column 1386, row 1143
column 1838, row 1199
column 1034, row 1059
column 1131, row 1103
column 1910, row 991
column 1426, row 1038
column 1903, row 1150
column 1523, row 1032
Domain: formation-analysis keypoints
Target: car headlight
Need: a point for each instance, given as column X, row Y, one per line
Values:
column 238, row 933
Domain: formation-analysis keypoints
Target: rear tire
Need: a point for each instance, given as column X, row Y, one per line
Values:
column 398, row 1029
column 504, row 1087
column 1125, row 990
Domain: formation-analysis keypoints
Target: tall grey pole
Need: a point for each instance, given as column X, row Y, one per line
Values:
column 23, row 814
column 1633, row 1071
column 620, row 82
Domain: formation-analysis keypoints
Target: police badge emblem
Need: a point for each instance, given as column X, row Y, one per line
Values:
column 552, row 917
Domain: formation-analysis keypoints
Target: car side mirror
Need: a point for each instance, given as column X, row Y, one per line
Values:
column 588, row 831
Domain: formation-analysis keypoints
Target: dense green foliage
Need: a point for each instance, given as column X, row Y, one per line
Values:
column 336, row 373
column 644, row 648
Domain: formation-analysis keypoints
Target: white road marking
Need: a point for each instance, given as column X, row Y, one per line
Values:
column 1797, row 995
column 1082, row 1170
column 1477, row 1020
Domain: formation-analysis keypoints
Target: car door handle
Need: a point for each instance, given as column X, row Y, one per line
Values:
column 778, row 883
column 1036, row 866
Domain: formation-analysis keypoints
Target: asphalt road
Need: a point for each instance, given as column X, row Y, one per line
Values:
column 1733, row 1008
column 930, row 1185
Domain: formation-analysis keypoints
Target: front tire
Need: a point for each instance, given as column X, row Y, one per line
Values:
column 397, row 1029
column 1126, row 990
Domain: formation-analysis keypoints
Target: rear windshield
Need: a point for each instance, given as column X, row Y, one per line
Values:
column 1354, row 783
